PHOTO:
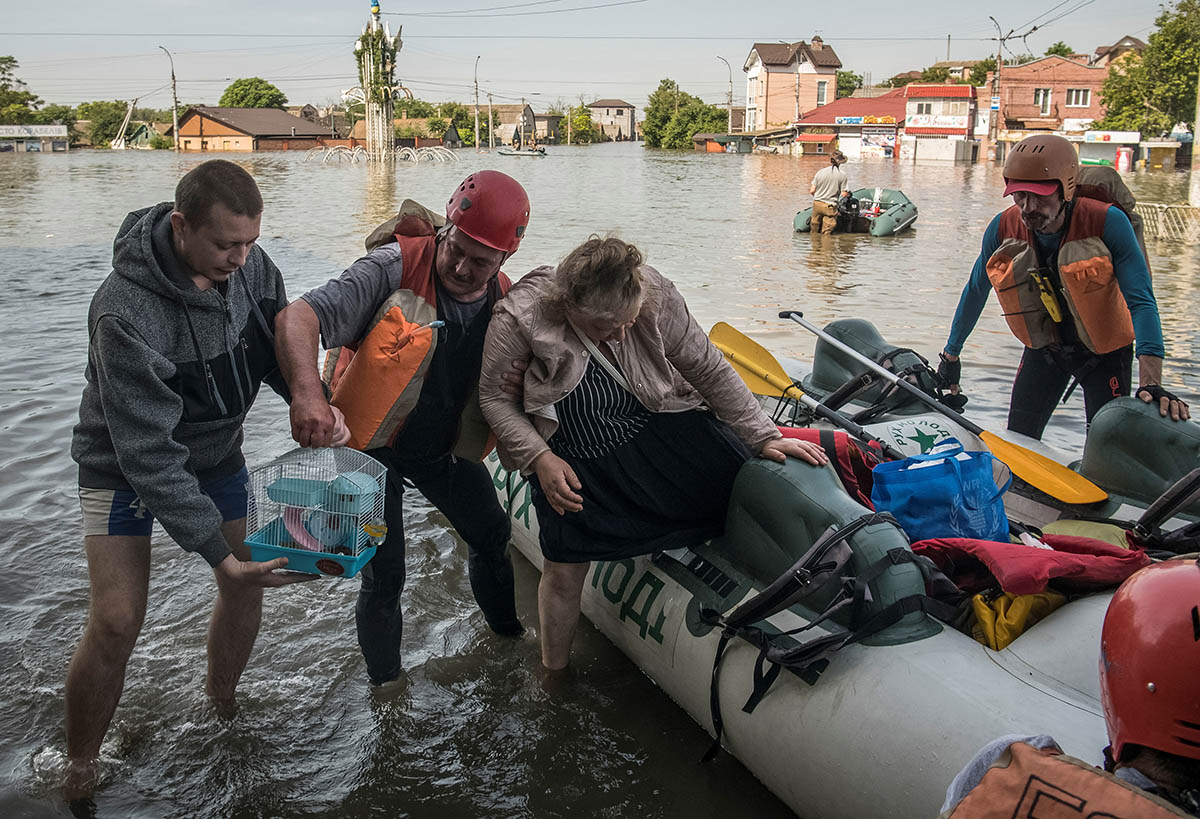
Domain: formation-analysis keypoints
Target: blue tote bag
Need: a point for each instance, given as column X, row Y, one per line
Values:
column 945, row 492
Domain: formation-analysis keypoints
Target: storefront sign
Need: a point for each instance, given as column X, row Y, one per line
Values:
column 867, row 120
column 878, row 142
column 937, row 121
column 1112, row 136
column 33, row 131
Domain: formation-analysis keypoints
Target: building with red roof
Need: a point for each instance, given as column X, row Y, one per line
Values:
column 859, row 127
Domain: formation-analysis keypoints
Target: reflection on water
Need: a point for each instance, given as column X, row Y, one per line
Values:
column 469, row 732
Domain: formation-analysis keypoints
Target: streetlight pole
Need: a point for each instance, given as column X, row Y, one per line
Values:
column 477, row 103
column 174, row 102
column 730, row 97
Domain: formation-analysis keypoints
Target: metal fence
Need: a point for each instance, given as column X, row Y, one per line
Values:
column 1179, row 223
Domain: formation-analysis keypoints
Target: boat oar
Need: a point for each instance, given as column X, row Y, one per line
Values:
column 1037, row 470
column 764, row 375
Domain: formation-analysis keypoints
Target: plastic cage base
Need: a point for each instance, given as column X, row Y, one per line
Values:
column 265, row 544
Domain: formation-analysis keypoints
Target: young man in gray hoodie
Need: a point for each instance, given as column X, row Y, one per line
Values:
column 180, row 338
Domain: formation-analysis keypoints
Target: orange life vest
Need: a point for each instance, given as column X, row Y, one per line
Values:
column 376, row 383
column 1085, row 268
column 1027, row 783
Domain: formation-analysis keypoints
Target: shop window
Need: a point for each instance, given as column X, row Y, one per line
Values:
column 1079, row 97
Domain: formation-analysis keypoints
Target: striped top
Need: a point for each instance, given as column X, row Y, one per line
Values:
column 597, row 416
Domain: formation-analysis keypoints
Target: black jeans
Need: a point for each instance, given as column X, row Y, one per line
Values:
column 1044, row 375
column 464, row 493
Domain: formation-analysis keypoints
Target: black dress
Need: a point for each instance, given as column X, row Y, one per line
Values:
column 651, row 481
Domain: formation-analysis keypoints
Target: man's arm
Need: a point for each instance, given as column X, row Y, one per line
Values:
column 297, row 330
column 141, row 412
column 1133, row 277
column 339, row 312
column 975, row 293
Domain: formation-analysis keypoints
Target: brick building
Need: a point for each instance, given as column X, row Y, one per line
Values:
column 1053, row 94
column 246, row 129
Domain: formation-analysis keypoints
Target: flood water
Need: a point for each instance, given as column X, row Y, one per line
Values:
column 470, row 732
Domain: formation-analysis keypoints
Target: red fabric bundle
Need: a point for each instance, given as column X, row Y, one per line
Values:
column 1076, row 564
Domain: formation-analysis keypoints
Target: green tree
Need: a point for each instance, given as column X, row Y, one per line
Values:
column 18, row 106
column 848, row 82
column 980, row 70
column 935, row 73
column 252, row 92
column 56, row 115
column 1152, row 92
column 105, row 117
column 660, row 107
column 898, row 81
column 415, row 108
column 1059, row 49
column 159, row 142
column 437, row 126
column 693, row 117
column 584, row 129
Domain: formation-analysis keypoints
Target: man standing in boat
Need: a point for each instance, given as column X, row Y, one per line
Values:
column 828, row 185
column 1074, row 287
column 405, row 326
column 1149, row 653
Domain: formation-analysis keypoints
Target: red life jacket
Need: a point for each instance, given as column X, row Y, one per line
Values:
column 1075, row 564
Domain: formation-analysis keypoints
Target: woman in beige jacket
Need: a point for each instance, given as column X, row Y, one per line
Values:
column 633, row 427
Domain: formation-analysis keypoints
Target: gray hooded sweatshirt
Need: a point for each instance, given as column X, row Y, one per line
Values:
column 172, row 371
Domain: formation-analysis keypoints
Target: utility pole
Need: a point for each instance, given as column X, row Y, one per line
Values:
column 477, row 104
column 174, row 102
column 947, row 48
column 729, row 98
column 491, row 125
column 570, row 116
column 994, row 118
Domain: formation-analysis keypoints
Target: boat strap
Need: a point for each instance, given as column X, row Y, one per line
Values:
column 813, row 573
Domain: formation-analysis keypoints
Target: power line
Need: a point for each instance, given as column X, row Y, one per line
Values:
column 494, row 36
column 487, row 8
column 470, row 16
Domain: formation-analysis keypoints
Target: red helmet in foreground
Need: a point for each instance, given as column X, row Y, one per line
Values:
column 1150, row 661
column 490, row 207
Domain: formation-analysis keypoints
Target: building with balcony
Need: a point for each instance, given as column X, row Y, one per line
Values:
column 784, row 81
column 1053, row 94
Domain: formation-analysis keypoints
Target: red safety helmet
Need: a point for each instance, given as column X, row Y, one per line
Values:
column 490, row 207
column 1150, row 661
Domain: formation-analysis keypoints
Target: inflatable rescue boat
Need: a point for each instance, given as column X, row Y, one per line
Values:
column 878, row 211
column 881, row 726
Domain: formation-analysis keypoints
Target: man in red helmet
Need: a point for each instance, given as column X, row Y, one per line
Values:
column 1149, row 667
column 404, row 326
column 1074, row 287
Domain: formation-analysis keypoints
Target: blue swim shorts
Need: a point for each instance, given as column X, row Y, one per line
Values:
column 121, row 511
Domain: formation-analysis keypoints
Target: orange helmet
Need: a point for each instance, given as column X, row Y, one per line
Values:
column 1039, row 164
column 1150, row 661
column 490, row 207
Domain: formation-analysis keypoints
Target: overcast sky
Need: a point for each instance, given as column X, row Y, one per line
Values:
column 541, row 49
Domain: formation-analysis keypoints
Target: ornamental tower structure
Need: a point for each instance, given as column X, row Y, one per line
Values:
column 376, row 52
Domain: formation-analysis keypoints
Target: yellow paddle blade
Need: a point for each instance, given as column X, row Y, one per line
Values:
column 756, row 366
column 1037, row 470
